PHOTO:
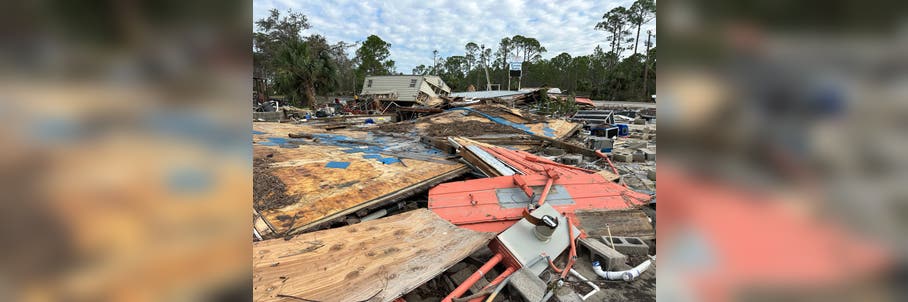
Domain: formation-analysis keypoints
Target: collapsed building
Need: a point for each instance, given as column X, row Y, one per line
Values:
column 405, row 90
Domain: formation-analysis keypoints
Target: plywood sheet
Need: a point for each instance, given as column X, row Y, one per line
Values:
column 329, row 193
column 378, row 260
column 553, row 128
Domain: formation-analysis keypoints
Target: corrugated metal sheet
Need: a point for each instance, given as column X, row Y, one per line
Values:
column 488, row 94
column 554, row 90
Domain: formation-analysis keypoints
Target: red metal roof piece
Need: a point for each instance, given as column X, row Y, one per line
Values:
column 584, row 101
column 494, row 204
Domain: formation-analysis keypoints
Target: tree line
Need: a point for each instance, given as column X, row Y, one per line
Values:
column 301, row 67
column 298, row 67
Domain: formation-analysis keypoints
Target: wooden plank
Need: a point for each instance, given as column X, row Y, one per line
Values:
column 570, row 148
column 629, row 222
column 377, row 260
column 609, row 175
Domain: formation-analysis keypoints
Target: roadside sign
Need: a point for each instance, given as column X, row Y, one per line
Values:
column 516, row 65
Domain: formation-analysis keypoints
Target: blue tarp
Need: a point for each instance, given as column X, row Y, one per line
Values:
column 337, row 164
column 549, row 132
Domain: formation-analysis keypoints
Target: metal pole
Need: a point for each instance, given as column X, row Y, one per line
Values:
column 463, row 287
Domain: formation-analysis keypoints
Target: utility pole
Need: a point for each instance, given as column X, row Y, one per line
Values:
column 520, row 77
column 649, row 34
column 486, row 67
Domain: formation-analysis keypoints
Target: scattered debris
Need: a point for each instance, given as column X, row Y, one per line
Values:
column 269, row 192
column 467, row 128
column 547, row 181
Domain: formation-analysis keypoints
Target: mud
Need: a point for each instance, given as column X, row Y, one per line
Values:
column 468, row 129
column 268, row 191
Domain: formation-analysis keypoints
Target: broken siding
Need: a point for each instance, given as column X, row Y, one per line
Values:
column 397, row 84
column 436, row 81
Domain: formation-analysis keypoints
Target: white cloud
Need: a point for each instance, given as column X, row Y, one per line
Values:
column 415, row 28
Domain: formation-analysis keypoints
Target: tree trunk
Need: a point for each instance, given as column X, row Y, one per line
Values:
column 645, row 67
column 310, row 95
column 637, row 39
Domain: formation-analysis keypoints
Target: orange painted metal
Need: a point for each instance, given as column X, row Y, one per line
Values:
column 507, row 272
column 452, row 201
column 572, row 254
column 463, row 287
column 609, row 161
column 545, row 191
column 474, row 204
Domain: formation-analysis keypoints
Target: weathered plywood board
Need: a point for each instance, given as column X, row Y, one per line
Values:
column 558, row 128
column 630, row 222
column 329, row 193
column 378, row 260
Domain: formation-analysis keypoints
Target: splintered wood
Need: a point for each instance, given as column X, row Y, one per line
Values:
column 377, row 260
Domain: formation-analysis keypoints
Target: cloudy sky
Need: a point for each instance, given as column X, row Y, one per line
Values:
column 415, row 28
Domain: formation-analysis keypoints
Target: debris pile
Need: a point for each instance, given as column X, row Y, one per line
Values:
column 476, row 198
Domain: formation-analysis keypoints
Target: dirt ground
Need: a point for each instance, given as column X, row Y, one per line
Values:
column 468, row 128
column 268, row 191
column 641, row 289
column 403, row 127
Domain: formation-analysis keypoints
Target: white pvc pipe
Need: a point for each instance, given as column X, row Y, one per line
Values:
column 375, row 215
column 588, row 282
column 626, row 275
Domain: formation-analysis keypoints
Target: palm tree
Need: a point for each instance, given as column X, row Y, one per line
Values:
column 302, row 70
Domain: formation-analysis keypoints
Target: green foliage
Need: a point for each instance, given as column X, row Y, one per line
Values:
column 271, row 32
column 304, row 68
column 372, row 58
column 555, row 106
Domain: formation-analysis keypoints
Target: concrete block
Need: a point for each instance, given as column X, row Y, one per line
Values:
column 649, row 154
column 651, row 174
column 527, row 285
column 571, row 159
column 628, row 245
column 623, row 157
column 639, row 156
column 551, row 151
column 609, row 258
column 567, row 294
column 640, row 121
